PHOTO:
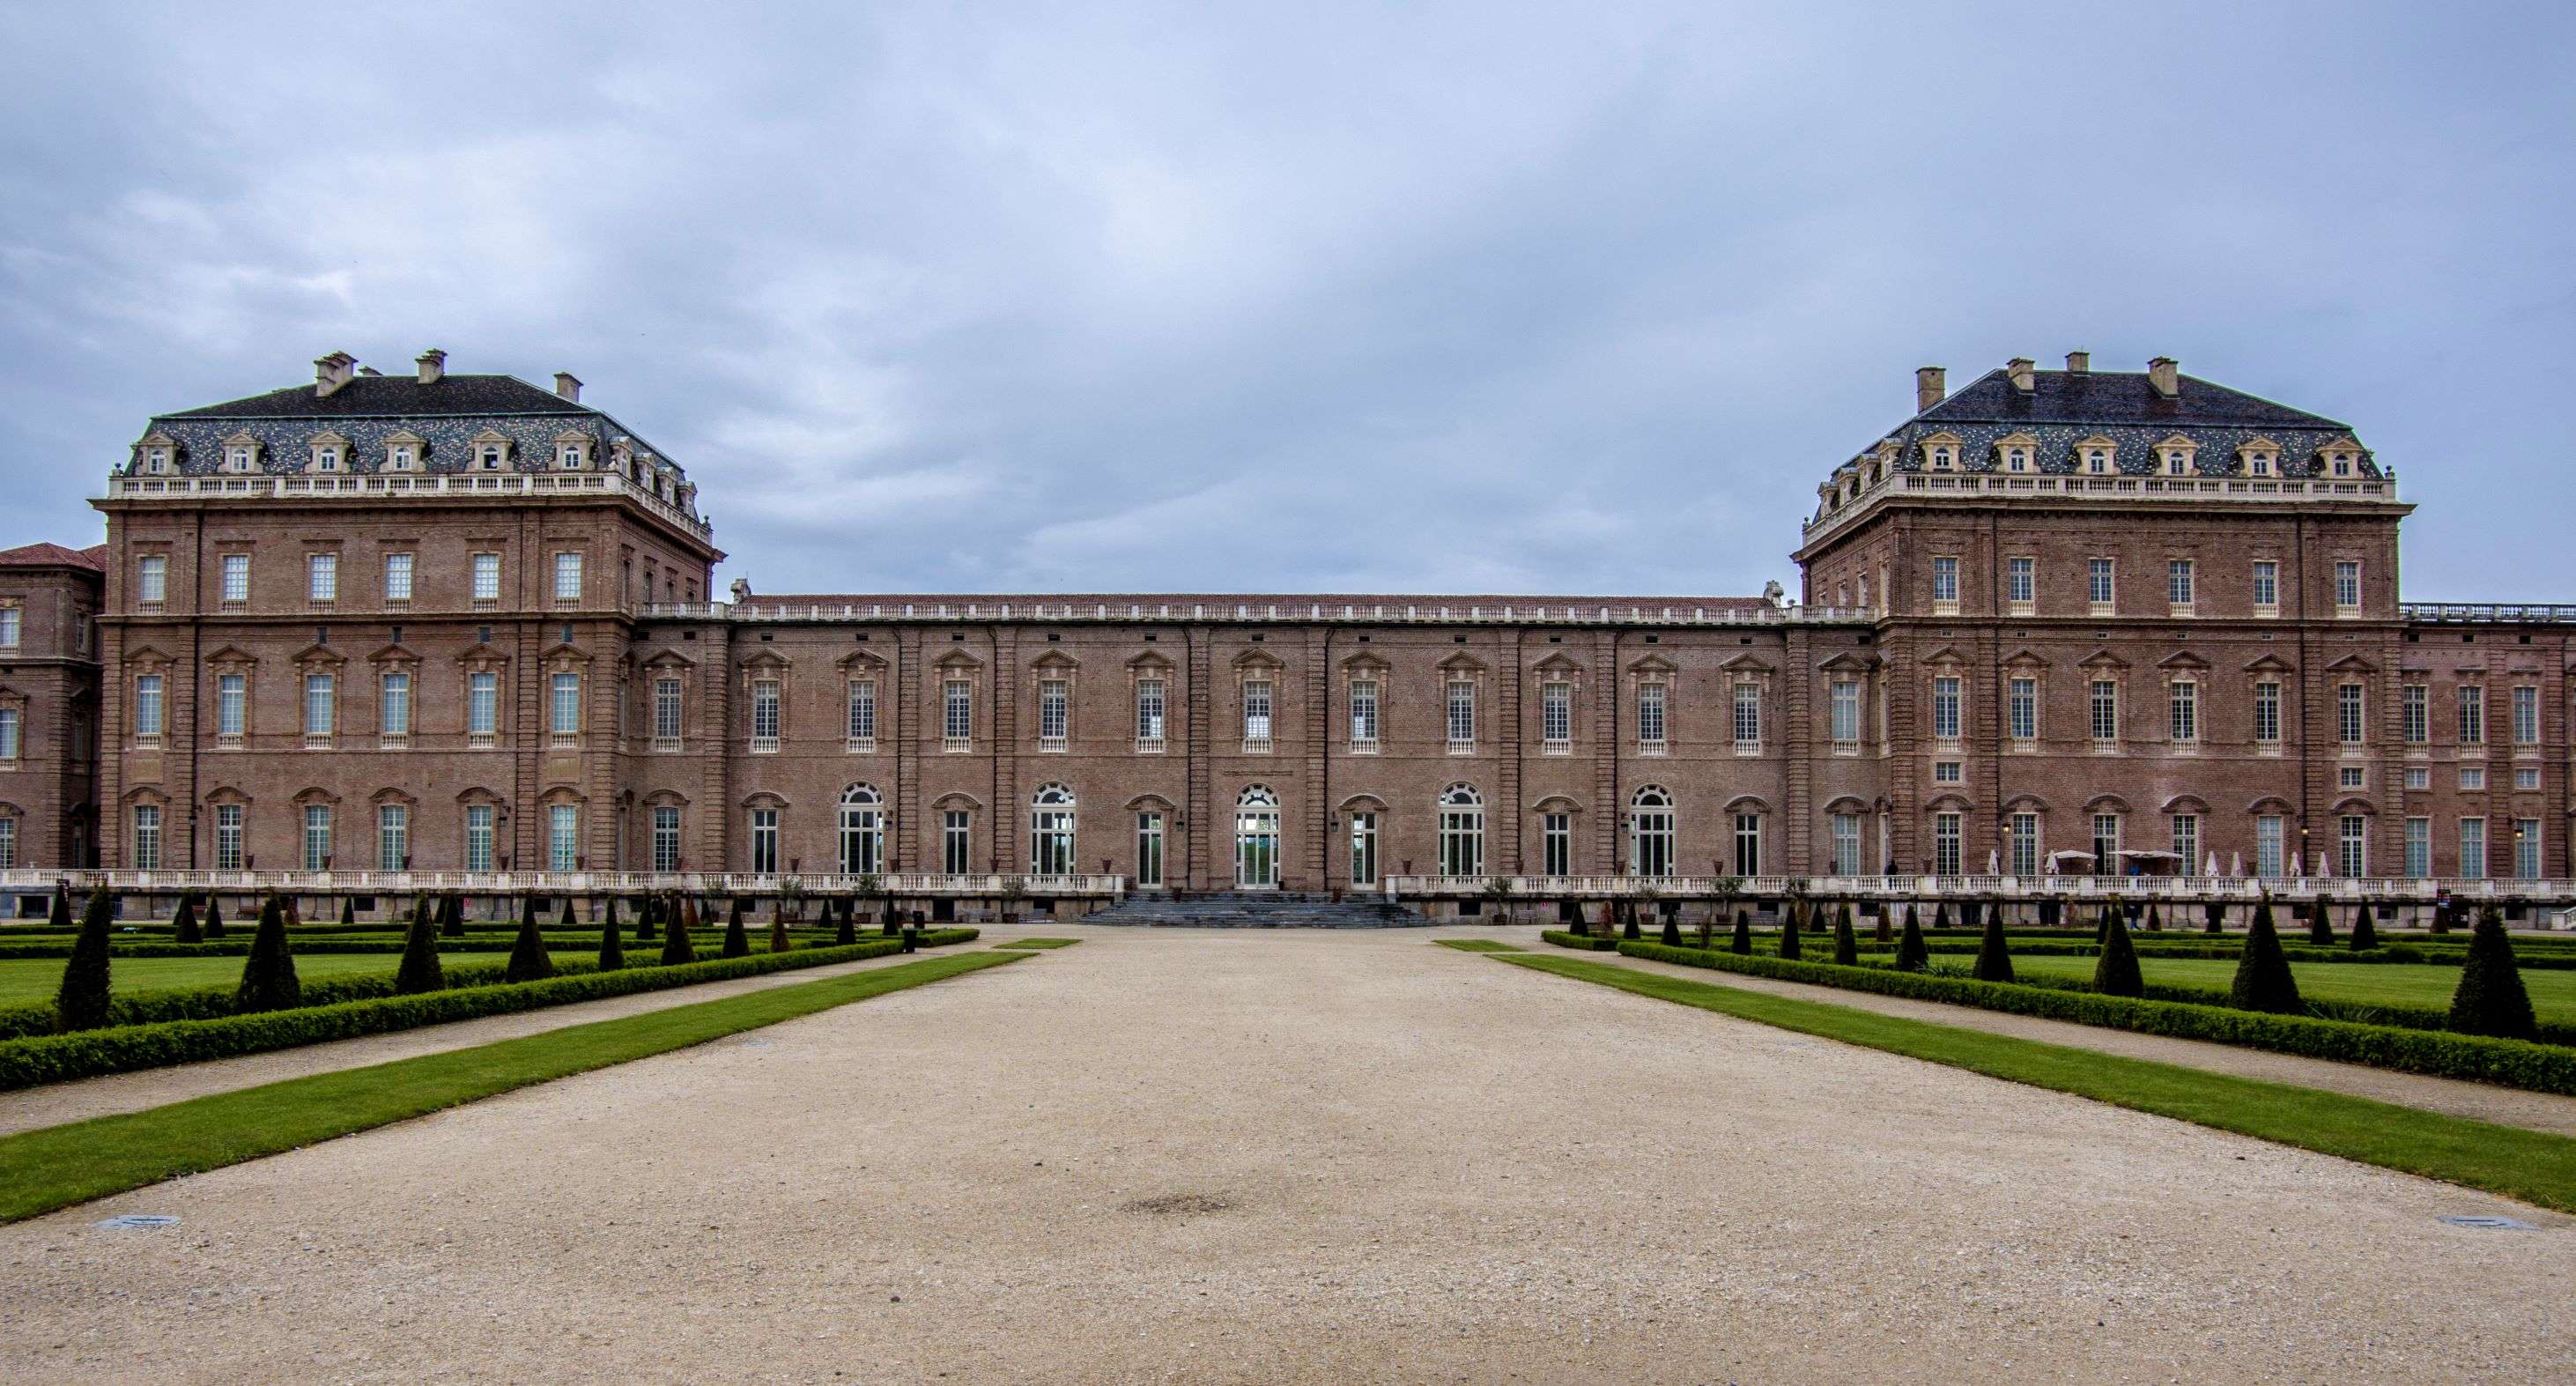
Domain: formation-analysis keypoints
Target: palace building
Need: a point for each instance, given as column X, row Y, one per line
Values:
column 2089, row 621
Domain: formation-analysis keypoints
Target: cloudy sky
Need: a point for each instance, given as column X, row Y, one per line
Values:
column 1481, row 298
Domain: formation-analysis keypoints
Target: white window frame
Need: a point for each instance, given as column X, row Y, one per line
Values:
column 859, row 729
column 1153, row 715
column 2347, row 587
column 563, row 708
column 485, row 570
column 1055, row 715
column 151, row 710
column 2182, row 585
column 668, row 706
column 321, row 710
column 393, row 837
column 147, row 837
column 664, row 844
column 1556, row 717
column 1260, row 704
column 567, row 577
column 1653, row 722
column 1949, row 708
column 230, row 835
column 1365, row 710
column 480, row 836
column 2267, row 587
column 1844, row 715
column 768, row 704
column 2021, row 584
column 1744, row 718
column 316, row 837
column 957, row 715
column 2101, row 585
column 482, row 709
column 2182, row 713
column 1945, row 585
column 234, row 592
column 322, row 579
column 1458, row 701
column 151, row 580
column 2021, row 709
column 393, row 709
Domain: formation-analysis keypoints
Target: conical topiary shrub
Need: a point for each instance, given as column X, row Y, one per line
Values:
column 689, row 915
column 1940, row 915
column 2320, row 927
column 2115, row 969
column 647, row 923
column 348, row 912
column 1789, row 934
column 183, row 922
column 214, row 918
column 529, row 961
column 2263, row 981
column 1628, row 920
column 2490, row 999
column 59, row 914
column 1994, row 959
column 2102, row 926
column 565, row 920
column 1886, row 928
column 81, row 1002
column 676, row 948
column 612, row 940
column 1911, row 954
column 1672, row 934
column 778, row 941
column 1740, row 942
column 2365, row 936
column 848, row 932
column 268, row 975
column 420, row 970
column 2155, row 919
column 2213, row 917
column 737, row 944
column 1846, row 943
column 451, row 917
column 2442, row 918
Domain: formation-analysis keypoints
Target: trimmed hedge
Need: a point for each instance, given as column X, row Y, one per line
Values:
column 26, row 1063
column 2507, row 1063
column 1586, row 942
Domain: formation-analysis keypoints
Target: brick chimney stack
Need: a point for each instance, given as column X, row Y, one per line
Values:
column 1931, row 386
column 567, row 387
column 2024, row 374
column 2165, row 374
column 2079, row 363
column 433, row 366
column 331, row 372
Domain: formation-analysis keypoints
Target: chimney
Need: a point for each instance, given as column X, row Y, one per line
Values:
column 1931, row 384
column 2079, row 363
column 433, row 366
column 567, row 386
column 2020, row 368
column 2165, row 374
column 331, row 372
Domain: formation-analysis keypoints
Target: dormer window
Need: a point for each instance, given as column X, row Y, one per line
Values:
column 2095, row 455
column 2339, row 463
column 2177, row 462
column 326, row 459
column 400, row 457
column 2017, row 459
column 572, row 452
column 2258, row 464
column 488, row 457
column 156, row 461
column 329, row 450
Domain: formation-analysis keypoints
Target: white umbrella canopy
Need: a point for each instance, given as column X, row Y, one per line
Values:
column 2325, row 868
column 2212, row 869
column 2236, row 863
column 1994, row 862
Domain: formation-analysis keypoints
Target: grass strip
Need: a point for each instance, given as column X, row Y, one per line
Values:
column 1039, row 943
column 1479, row 945
column 2533, row 1166
column 58, row 1166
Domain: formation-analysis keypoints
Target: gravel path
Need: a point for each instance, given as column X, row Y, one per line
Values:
column 2538, row 1111
column 132, row 1092
column 1288, row 1157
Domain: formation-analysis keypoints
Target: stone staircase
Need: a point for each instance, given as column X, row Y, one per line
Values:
column 1257, row 909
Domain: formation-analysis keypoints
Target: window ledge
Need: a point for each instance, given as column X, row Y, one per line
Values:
column 482, row 741
column 1256, row 745
column 764, row 745
column 956, row 745
column 1051, row 745
column 666, row 745
column 857, row 746
column 1149, row 745
column 1556, row 748
column 1654, row 749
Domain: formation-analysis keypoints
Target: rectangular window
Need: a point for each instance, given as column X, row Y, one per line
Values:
column 318, row 709
column 1748, row 717
column 2097, row 583
column 2473, row 715
column 764, row 842
column 478, row 837
column 2348, row 723
column 1846, row 830
column 1462, row 715
column 1256, row 716
column 1846, row 712
column 2418, row 777
column 2419, row 848
column 2354, row 838
column 1364, row 715
column 567, row 578
column 2526, row 715
column 563, row 837
column 236, row 579
column 397, row 577
column 2023, row 834
column 487, row 578
column 147, row 710
column 2178, row 585
column 2415, row 703
column 2267, row 714
column 393, row 837
column 10, row 627
column 2267, row 845
column 1945, row 708
column 957, row 715
column 2348, row 587
column 228, row 837
column 1748, row 844
column 862, row 728
column 2473, row 777
column 8, row 844
column 666, row 837
column 666, row 714
column 1945, row 582
column 764, row 716
column 2186, row 842
column 2267, row 585
column 317, row 837
column 1556, row 844
column 563, row 709
column 1556, row 716
column 1149, row 849
column 2106, row 844
column 2021, row 581
column 2526, row 849
column 8, row 736
column 322, row 577
column 955, row 838
column 482, row 708
column 1949, row 772
column 2106, row 711
column 393, row 710
column 2473, row 847
column 2526, row 777
column 1946, row 844
column 2183, row 707
column 147, row 837
column 1650, row 718
column 151, row 579
column 1055, row 713
column 2022, row 707
column 2351, row 776
column 1151, row 696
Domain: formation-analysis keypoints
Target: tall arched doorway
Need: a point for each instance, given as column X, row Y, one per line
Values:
column 1256, row 839
column 862, row 831
column 1051, row 831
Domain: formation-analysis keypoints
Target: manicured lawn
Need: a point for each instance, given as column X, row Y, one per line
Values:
column 2529, row 1165
column 2553, row 993
column 61, row 1165
column 1479, row 945
column 1039, row 943
column 35, row 979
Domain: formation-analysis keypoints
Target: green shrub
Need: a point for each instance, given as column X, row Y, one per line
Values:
column 183, row 923
column 59, row 914
column 529, row 960
column 1628, row 920
column 1672, row 935
column 2263, row 981
column 1911, row 956
column 2320, row 926
column 2155, row 921
column 612, row 940
column 2364, row 936
column 1940, row 915
column 676, row 948
column 1994, row 957
column 1587, row 942
column 1789, row 924
column 1846, row 943
column 420, row 970
column 2213, row 917
column 2490, row 999
column 2115, row 972
column 736, row 942
column 451, row 917
column 778, row 941
column 648, row 922
column 1740, row 942
column 81, row 1002
column 348, row 912
column 214, row 918
column 848, row 932
column 268, row 975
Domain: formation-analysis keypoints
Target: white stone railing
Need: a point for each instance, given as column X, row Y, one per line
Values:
column 2485, row 613
column 2059, row 487
column 384, row 486
column 2141, row 889
column 553, row 883
column 1537, row 611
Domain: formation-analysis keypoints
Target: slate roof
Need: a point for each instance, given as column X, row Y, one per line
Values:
column 92, row 559
column 2064, row 408
column 394, row 396
column 1286, row 602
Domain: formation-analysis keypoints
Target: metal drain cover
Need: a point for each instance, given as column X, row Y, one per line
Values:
column 2489, row 1223
column 132, row 1221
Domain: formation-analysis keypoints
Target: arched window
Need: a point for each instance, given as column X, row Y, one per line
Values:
column 1462, row 831
column 1650, row 832
column 1256, row 838
column 862, row 831
column 1051, row 831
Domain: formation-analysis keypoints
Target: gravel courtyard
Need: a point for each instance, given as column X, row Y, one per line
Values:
column 1187, row 1156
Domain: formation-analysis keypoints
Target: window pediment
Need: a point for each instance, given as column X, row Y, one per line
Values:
column 1055, row 662
column 957, row 661
column 319, row 657
column 669, row 661
column 2102, row 662
column 232, row 659
column 2182, row 660
column 1848, row 662
column 1947, row 658
column 1748, row 663
column 482, row 657
column 2026, row 661
column 1150, row 662
column 2106, row 803
column 395, row 655
column 1365, row 662
column 2351, row 664
column 1462, row 663
column 1652, row 664
column 2186, row 803
column 863, row 662
column 1255, row 660
column 2269, row 664
column 1558, row 666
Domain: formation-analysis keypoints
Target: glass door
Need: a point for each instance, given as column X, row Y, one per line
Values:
column 1364, row 850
